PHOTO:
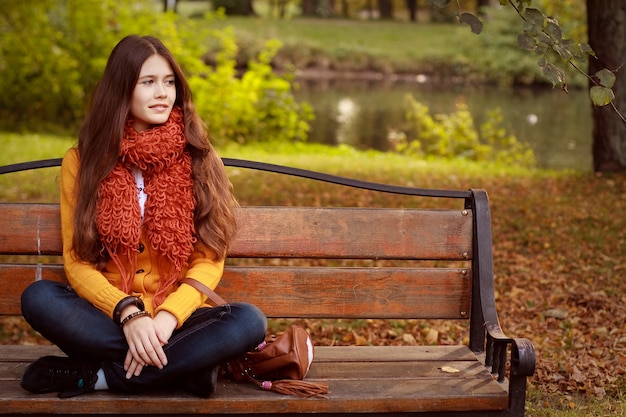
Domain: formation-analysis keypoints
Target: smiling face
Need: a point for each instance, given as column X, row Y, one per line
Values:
column 154, row 95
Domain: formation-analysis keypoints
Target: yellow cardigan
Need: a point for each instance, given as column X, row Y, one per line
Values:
column 101, row 288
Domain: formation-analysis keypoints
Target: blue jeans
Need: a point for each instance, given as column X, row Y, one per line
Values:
column 208, row 338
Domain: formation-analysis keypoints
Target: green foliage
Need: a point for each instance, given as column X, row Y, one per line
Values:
column 454, row 135
column 503, row 147
column 543, row 36
column 571, row 14
column 259, row 106
column 501, row 55
column 53, row 52
column 602, row 93
column 497, row 54
column 42, row 77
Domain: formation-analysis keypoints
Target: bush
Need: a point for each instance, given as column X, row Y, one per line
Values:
column 454, row 135
column 259, row 106
column 50, row 53
column 53, row 52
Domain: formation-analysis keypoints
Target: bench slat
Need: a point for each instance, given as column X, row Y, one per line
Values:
column 30, row 229
column 339, row 370
column 414, row 379
column 288, row 232
column 317, row 291
column 347, row 233
column 323, row 354
column 347, row 396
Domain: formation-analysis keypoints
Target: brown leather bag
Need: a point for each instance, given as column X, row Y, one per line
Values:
column 279, row 364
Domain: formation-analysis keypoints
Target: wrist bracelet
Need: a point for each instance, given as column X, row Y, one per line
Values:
column 134, row 315
column 125, row 302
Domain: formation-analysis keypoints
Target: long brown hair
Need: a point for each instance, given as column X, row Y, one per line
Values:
column 99, row 148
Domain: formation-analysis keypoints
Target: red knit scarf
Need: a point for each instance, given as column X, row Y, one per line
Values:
column 169, row 209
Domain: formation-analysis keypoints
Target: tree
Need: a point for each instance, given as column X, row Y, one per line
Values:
column 411, row 5
column 606, row 54
column 170, row 5
column 308, row 7
column 607, row 37
column 385, row 8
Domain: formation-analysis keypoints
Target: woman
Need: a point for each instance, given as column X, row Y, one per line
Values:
column 145, row 203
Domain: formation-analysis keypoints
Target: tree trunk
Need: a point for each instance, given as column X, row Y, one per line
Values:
column 170, row 4
column 308, row 7
column 412, row 6
column 606, row 20
column 385, row 8
column 345, row 9
column 250, row 8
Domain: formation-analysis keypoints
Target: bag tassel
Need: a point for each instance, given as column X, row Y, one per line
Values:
column 293, row 387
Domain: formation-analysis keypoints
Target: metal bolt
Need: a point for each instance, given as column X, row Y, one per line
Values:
column 463, row 313
column 464, row 213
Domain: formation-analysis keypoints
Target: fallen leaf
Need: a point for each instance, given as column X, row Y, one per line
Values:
column 432, row 337
column 409, row 339
column 557, row 313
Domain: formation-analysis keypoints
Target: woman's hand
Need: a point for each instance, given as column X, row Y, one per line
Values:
column 167, row 322
column 145, row 339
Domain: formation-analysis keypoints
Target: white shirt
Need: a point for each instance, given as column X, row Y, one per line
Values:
column 141, row 195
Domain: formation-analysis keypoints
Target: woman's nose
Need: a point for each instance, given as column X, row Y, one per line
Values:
column 160, row 91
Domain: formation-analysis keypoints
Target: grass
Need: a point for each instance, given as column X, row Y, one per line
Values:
column 31, row 186
column 393, row 39
column 353, row 45
column 541, row 405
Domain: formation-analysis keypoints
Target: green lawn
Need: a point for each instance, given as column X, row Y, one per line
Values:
column 396, row 40
column 353, row 45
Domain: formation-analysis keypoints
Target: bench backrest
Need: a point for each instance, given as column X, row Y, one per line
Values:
column 309, row 262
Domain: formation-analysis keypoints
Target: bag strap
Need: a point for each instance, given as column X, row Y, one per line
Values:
column 211, row 295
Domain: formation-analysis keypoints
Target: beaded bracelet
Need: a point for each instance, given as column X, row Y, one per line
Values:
column 134, row 315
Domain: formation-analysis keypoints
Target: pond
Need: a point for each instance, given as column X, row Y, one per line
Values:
column 361, row 113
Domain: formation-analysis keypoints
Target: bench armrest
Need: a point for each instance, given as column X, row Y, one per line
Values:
column 523, row 357
column 486, row 335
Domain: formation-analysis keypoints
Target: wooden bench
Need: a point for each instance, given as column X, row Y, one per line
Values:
column 319, row 263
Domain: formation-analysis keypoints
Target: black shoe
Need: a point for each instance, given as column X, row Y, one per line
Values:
column 69, row 377
column 202, row 384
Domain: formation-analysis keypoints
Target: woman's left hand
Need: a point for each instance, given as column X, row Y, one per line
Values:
column 166, row 322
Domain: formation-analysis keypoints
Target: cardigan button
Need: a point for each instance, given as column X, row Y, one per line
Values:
column 140, row 248
column 139, row 271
